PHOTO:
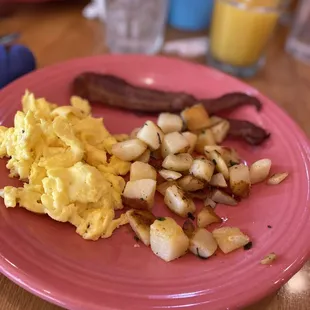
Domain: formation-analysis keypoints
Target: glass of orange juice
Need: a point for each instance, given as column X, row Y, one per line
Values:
column 240, row 31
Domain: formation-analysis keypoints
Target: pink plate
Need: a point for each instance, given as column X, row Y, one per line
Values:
column 52, row 261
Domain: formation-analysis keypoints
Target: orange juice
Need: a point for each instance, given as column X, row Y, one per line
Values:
column 240, row 32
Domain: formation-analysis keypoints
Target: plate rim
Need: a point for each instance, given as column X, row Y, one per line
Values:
column 25, row 280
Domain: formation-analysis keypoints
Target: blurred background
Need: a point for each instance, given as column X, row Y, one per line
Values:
column 264, row 42
column 232, row 35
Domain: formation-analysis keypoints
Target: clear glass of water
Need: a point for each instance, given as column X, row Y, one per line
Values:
column 298, row 42
column 135, row 26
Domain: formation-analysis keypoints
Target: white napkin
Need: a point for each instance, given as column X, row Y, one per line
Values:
column 95, row 9
column 190, row 47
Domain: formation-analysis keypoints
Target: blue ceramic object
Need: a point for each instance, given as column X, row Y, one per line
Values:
column 191, row 15
column 15, row 61
column 4, row 64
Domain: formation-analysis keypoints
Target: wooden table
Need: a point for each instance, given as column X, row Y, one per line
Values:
column 59, row 32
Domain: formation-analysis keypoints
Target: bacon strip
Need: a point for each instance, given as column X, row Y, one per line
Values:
column 118, row 93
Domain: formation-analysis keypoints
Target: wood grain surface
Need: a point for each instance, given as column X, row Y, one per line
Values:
column 57, row 32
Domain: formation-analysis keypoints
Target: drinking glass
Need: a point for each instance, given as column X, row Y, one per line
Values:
column 240, row 31
column 298, row 42
column 135, row 26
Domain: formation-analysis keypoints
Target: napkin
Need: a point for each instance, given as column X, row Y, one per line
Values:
column 95, row 9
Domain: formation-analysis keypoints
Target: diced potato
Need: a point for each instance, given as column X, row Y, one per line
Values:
column 174, row 143
column 219, row 163
column 196, row 117
column 202, row 243
column 169, row 122
column 201, row 194
column 209, row 203
column 220, row 131
column 168, row 241
column 140, row 170
column 205, row 137
column 170, row 175
column 229, row 155
column 190, row 184
column 218, row 180
column 191, row 139
column 277, row 178
column 129, row 150
column 230, row 238
column 268, row 259
column 145, row 157
column 207, row 216
column 214, row 120
column 161, row 188
column 188, row 228
column 139, row 194
column 180, row 162
column 121, row 137
column 133, row 134
column 177, row 201
column 222, row 197
column 259, row 170
column 240, row 183
column 151, row 134
column 202, row 169
column 210, row 148
column 141, row 221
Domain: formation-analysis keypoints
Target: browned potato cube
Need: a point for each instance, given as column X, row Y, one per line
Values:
column 161, row 188
column 177, row 201
column 129, row 150
column 169, row 122
column 277, row 178
column 220, row 131
column 218, row 180
column 174, row 143
column 205, row 137
column 140, row 170
column 230, row 238
column 191, row 139
column 180, row 162
column 240, row 183
column 170, row 175
column 168, row 240
column 222, row 197
column 219, row 163
column 259, row 170
column 151, row 134
column 196, row 117
column 202, row 243
column 190, row 184
column 229, row 155
column 202, row 169
column 145, row 157
column 141, row 221
column 139, row 194
column 207, row 216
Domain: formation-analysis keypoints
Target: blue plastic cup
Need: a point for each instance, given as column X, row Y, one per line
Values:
column 190, row 15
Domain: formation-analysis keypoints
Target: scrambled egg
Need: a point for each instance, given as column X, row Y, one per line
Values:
column 63, row 155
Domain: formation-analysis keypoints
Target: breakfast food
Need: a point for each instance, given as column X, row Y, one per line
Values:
column 269, row 259
column 118, row 93
column 73, row 170
column 62, row 156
